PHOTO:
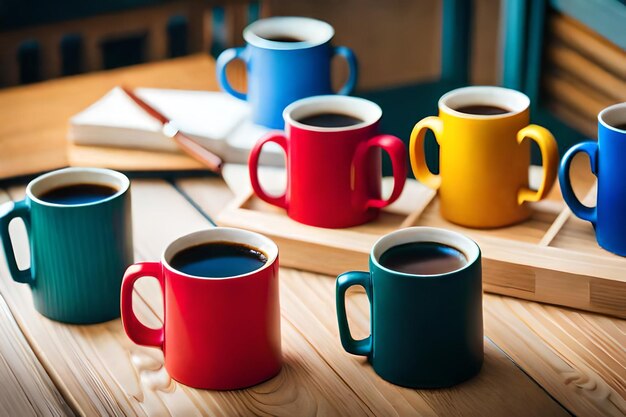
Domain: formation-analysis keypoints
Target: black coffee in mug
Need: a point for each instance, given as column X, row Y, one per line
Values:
column 330, row 120
column 621, row 126
column 423, row 258
column 218, row 260
column 78, row 194
column 482, row 109
column 283, row 38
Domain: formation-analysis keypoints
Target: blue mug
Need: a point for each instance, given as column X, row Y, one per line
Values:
column 606, row 157
column 287, row 58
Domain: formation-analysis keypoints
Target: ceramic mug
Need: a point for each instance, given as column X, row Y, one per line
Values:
column 279, row 72
column 426, row 330
column 218, row 333
column 78, row 251
column 484, row 159
column 606, row 157
column 333, row 173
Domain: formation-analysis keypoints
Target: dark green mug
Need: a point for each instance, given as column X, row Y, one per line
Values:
column 78, row 252
column 426, row 330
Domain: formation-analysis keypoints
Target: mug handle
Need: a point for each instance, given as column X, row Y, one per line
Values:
column 20, row 210
column 253, row 169
column 549, row 156
column 225, row 58
column 353, row 68
column 417, row 154
column 361, row 347
column 395, row 148
column 579, row 209
column 136, row 330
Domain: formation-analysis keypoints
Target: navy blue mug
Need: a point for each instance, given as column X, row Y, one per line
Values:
column 287, row 58
column 606, row 157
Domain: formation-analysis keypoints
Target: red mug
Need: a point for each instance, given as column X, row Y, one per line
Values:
column 333, row 173
column 218, row 333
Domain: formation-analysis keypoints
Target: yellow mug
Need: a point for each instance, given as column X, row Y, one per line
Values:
column 484, row 156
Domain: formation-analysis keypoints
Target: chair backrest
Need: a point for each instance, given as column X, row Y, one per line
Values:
column 569, row 55
column 81, row 45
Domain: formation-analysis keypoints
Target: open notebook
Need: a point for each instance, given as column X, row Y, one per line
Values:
column 219, row 122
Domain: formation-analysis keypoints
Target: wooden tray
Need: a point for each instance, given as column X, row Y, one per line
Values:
column 553, row 257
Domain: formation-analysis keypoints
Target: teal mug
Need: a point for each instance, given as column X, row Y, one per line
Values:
column 426, row 330
column 79, row 249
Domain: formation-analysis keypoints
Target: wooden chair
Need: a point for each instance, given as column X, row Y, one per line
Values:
column 88, row 37
column 580, row 66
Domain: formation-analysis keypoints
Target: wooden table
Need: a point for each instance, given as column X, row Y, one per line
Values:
column 540, row 360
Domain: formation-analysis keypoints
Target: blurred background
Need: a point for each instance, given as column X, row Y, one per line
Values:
column 569, row 56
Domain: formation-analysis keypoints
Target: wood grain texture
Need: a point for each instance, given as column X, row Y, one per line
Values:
column 25, row 387
column 579, row 358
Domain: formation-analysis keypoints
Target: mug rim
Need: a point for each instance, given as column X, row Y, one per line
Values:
column 606, row 112
column 358, row 107
column 122, row 186
column 470, row 248
column 505, row 95
column 200, row 237
column 322, row 34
